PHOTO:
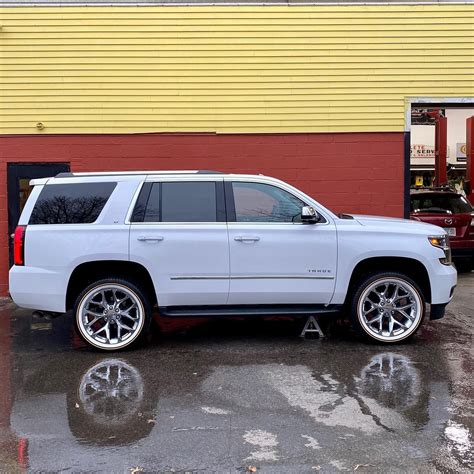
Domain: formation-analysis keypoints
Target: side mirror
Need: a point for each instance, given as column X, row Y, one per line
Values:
column 309, row 215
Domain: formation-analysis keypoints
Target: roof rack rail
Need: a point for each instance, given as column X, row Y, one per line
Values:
column 132, row 173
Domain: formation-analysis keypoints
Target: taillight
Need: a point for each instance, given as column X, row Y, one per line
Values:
column 19, row 245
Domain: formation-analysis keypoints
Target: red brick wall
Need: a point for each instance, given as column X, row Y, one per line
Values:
column 350, row 172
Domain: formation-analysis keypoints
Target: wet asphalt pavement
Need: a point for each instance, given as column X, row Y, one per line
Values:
column 238, row 395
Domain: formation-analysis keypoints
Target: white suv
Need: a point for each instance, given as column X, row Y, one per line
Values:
column 111, row 246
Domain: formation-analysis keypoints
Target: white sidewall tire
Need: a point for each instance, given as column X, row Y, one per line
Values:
column 87, row 337
column 368, row 285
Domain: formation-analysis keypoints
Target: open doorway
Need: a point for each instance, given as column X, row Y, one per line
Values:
column 422, row 142
column 18, row 189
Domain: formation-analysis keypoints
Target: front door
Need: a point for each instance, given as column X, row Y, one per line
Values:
column 274, row 258
column 179, row 233
column 18, row 183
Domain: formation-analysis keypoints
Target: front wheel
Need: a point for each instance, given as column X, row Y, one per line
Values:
column 112, row 314
column 387, row 307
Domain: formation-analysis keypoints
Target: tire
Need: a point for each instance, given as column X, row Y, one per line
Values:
column 113, row 314
column 387, row 307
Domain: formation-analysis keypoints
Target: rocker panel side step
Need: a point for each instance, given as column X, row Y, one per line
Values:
column 246, row 310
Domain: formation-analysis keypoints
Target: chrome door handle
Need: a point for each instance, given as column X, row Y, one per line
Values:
column 247, row 238
column 144, row 238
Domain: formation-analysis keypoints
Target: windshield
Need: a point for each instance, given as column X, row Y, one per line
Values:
column 440, row 203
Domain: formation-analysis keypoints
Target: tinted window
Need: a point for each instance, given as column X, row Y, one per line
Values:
column 152, row 211
column 440, row 203
column 138, row 214
column 256, row 202
column 78, row 203
column 180, row 202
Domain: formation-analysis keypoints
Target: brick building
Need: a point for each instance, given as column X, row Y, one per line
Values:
column 315, row 94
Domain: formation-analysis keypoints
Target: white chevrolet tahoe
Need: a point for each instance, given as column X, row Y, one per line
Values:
column 112, row 246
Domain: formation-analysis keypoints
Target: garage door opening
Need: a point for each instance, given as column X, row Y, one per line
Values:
column 436, row 132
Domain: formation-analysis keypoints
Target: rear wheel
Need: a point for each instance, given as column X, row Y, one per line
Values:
column 112, row 314
column 387, row 307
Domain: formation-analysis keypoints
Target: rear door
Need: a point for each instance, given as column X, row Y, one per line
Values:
column 179, row 232
column 276, row 259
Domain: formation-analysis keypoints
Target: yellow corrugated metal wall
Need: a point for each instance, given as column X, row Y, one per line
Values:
column 229, row 68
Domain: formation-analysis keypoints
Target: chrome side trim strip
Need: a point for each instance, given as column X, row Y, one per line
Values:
column 205, row 3
column 252, row 277
column 217, row 277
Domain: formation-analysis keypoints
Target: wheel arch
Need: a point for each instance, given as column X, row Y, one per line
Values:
column 89, row 272
column 410, row 267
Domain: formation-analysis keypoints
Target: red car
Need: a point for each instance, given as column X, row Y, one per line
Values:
column 447, row 208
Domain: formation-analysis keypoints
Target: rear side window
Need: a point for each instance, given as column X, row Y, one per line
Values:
column 77, row 203
column 193, row 201
column 440, row 204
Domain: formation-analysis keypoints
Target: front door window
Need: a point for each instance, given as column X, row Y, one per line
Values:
column 256, row 202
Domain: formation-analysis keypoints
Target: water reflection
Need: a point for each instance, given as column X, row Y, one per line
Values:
column 392, row 380
column 378, row 400
column 111, row 391
column 13, row 449
column 109, row 405
column 195, row 404
column 109, row 397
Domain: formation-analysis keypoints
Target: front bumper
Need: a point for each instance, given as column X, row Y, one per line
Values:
column 443, row 280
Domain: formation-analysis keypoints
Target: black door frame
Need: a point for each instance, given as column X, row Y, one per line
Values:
column 17, row 171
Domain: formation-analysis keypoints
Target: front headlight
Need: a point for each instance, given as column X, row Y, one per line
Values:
column 442, row 242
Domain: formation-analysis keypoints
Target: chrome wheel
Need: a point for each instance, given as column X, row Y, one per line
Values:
column 110, row 316
column 390, row 309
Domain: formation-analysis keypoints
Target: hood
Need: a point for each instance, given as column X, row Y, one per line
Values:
column 364, row 220
column 397, row 223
